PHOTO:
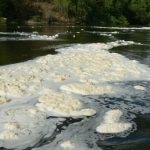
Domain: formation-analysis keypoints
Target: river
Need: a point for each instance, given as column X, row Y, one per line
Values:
column 75, row 88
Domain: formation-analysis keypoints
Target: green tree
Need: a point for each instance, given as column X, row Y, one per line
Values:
column 62, row 6
column 139, row 11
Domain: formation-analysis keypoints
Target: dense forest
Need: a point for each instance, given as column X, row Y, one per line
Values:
column 97, row 12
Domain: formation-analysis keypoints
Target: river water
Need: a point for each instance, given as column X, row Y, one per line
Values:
column 75, row 88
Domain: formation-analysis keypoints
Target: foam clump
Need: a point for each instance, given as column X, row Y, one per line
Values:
column 104, row 34
column 21, row 127
column 124, row 28
column 27, row 36
column 59, row 77
column 91, row 62
column 86, row 88
column 112, row 124
column 12, row 126
column 19, row 83
column 84, row 69
column 41, row 37
column 8, row 135
column 63, row 105
column 12, row 88
column 4, row 99
column 139, row 87
column 67, row 145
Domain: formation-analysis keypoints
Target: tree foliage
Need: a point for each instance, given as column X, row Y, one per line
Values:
column 101, row 12
column 16, row 10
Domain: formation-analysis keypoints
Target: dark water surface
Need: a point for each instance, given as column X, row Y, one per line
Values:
column 16, row 46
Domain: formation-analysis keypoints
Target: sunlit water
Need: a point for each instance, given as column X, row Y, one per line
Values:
column 85, row 72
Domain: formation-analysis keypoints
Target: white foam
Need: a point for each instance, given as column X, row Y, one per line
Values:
column 112, row 123
column 41, row 37
column 4, row 99
column 104, row 34
column 113, row 32
column 109, row 34
column 23, row 36
column 62, row 105
column 67, row 145
column 139, row 87
column 86, row 88
column 98, row 46
column 12, row 88
column 80, row 69
column 123, row 28
column 15, row 33
column 21, row 127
